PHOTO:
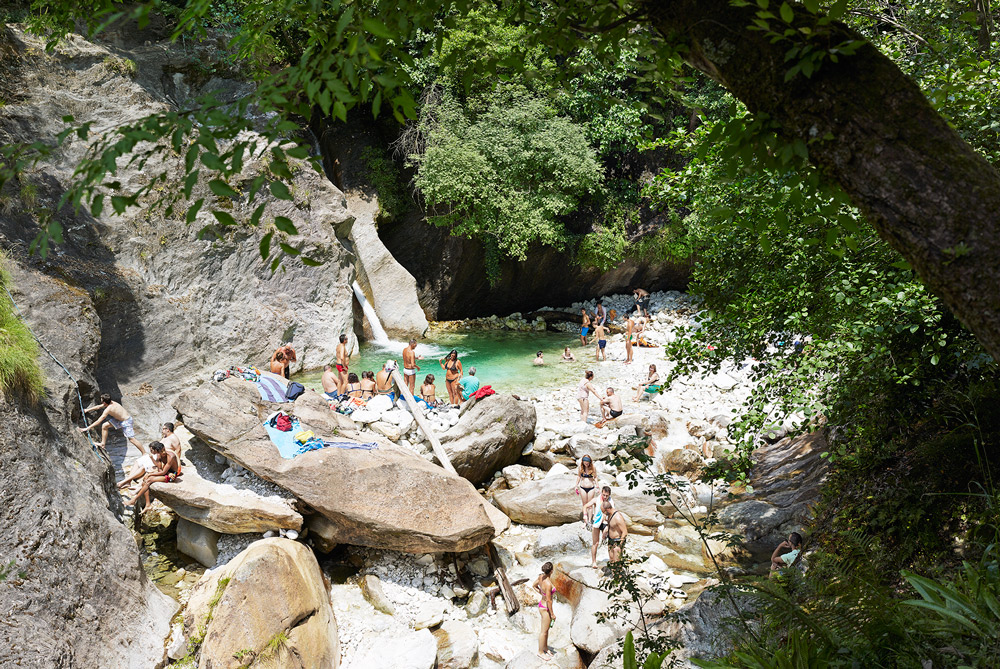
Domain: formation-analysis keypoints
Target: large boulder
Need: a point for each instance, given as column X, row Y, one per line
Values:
column 223, row 508
column 413, row 649
column 550, row 501
column 269, row 606
column 561, row 540
column 388, row 497
column 197, row 541
column 458, row 645
column 587, row 633
column 489, row 436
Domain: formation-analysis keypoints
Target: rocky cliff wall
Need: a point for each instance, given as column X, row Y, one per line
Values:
column 171, row 307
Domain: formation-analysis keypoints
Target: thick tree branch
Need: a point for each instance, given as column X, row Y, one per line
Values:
column 927, row 192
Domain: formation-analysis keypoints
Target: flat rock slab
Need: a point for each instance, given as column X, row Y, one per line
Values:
column 223, row 508
column 388, row 498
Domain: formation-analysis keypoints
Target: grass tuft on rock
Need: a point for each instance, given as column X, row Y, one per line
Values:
column 20, row 374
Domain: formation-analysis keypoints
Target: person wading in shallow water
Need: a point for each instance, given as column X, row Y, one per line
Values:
column 543, row 584
column 599, row 335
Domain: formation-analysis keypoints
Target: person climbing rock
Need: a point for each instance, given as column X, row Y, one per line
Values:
column 116, row 417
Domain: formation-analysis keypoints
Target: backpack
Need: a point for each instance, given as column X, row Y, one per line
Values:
column 294, row 390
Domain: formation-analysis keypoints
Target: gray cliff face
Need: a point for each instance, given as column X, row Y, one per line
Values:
column 76, row 595
column 172, row 307
column 137, row 306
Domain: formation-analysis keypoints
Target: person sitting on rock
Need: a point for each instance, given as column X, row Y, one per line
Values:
column 428, row 391
column 650, row 386
column 117, row 417
column 611, row 406
column 786, row 553
column 172, row 442
column 469, row 384
column 167, row 473
column 329, row 383
column 383, row 380
column 367, row 385
column 539, row 360
column 145, row 464
column 353, row 388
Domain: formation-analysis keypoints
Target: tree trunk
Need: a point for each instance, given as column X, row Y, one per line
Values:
column 926, row 191
column 985, row 19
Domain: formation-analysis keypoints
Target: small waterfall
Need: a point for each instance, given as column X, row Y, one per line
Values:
column 378, row 333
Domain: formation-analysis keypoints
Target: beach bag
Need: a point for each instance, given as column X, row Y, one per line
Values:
column 294, row 390
column 283, row 422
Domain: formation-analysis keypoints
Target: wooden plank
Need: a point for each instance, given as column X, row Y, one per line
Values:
column 422, row 422
column 509, row 596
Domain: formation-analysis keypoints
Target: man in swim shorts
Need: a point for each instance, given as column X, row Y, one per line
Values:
column 611, row 406
column 331, row 389
column 596, row 531
column 410, row 366
column 617, row 531
column 585, row 330
column 342, row 364
column 601, row 342
column 171, row 442
column 116, row 417
column 168, row 472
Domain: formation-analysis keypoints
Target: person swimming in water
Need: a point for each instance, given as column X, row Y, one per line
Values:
column 568, row 356
column 539, row 360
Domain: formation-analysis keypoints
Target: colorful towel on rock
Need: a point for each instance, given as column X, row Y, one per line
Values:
column 288, row 447
column 271, row 390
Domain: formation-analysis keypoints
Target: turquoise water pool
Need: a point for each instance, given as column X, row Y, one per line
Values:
column 503, row 359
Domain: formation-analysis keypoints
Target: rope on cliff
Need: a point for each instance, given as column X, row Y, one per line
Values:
column 76, row 384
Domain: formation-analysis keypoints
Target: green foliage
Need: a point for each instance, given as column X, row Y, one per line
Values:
column 20, row 374
column 629, row 661
column 387, row 179
column 123, row 66
column 506, row 169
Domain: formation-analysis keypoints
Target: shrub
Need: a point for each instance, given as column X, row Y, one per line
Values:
column 19, row 371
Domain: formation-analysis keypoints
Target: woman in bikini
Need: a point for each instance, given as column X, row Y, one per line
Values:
column 353, row 388
column 452, row 367
column 367, row 385
column 543, row 584
column 650, row 386
column 583, row 390
column 428, row 391
column 586, row 486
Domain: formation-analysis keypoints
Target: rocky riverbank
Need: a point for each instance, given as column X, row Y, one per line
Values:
column 415, row 608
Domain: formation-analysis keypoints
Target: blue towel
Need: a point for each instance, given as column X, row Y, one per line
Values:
column 285, row 441
column 363, row 446
column 270, row 390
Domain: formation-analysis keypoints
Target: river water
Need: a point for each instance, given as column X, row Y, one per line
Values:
column 503, row 359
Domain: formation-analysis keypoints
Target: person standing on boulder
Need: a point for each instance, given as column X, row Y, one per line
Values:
column 598, row 523
column 641, row 302
column 452, row 367
column 617, row 531
column 342, row 364
column 410, row 366
column 586, row 486
column 629, row 327
column 117, row 417
column 543, row 584
column 600, row 314
column 583, row 391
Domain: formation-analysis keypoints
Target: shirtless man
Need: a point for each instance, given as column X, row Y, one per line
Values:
column 383, row 380
column 342, row 364
column 539, row 360
column 617, row 531
column 116, row 417
column 585, row 329
column 168, row 472
column 410, row 366
column 287, row 354
column 598, row 502
column 329, row 382
column 629, row 327
column 641, row 302
column 172, row 442
column 278, row 364
column 611, row 406
column 601, row 342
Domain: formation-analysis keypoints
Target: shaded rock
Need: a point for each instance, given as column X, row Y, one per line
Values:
column 551, row 501
column 458, row 645
column 562, row 539
column 489, row 436
column 388, row 497
column 269, row 600
column 701, row 627
column 198, row 542
column 539, row 459
column 476, row 606
column 371, row 588
column 322, row 531
column 682, row 461
column 786, row 481
column 409, row 650
column 223, row 508
column 501, row 523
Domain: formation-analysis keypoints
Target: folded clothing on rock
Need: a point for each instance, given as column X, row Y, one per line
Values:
column 485, row 391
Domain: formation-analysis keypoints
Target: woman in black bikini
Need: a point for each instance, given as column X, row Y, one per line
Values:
column 452, row 367
column 586, row 487
column 367, row 385
column 353, row 388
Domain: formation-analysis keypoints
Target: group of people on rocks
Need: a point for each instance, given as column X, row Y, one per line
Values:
column 344, row 383
column 160, row 463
